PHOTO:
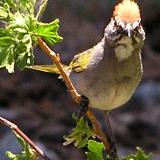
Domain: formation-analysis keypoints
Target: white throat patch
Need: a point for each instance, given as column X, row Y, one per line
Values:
column 124, row 48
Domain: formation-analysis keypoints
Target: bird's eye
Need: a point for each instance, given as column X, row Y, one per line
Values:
column 117, row 27
column 120, row 30
column 137, row 28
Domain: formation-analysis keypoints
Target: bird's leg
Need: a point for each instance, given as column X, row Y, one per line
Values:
column 84, row 104
column 113, row 144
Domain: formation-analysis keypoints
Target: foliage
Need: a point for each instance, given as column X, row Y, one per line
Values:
column 80, row 134
column 95, row 152
column 26, row 154
column 19, row 32
column 140, row 155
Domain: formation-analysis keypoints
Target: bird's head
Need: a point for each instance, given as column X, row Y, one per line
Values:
column 125, row 32
column 126, row 19
column 127, row 16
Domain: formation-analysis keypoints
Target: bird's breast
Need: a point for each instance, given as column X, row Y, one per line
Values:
column 111, row 83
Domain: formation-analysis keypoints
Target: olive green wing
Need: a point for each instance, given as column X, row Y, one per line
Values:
column 78, row 64
column 48, row 68
column 80, row 61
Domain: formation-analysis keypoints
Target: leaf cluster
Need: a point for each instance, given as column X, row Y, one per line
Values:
column 26, row 154
column 95, row 152
column 19, row 31
column 80, row 134
column 139, row 155
column 83, row 135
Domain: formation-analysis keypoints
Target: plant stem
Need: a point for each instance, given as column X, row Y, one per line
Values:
column 56, row 59
column 96, row 126
column 76, row 97
column 15, row 128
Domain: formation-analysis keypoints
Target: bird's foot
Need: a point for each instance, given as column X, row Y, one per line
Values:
column 113, row 150
column 84, row 104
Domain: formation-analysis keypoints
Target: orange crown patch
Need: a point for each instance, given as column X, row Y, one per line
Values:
column 127, row 11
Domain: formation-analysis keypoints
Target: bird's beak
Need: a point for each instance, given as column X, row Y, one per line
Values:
column 129, row 29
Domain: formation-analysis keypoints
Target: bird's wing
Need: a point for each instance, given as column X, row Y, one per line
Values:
column 78, row 64
column 80, row 61
column 47, row 68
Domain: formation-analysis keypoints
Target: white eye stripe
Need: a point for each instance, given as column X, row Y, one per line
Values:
column 117, row 28
column 126, row 25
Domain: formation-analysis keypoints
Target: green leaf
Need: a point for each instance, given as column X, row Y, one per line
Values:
column 19, row 21
column 20, row 32
column 7, row 58
column 48, row 31
column 25, row 56
column 15, row 50
column 26, row 154
column 140, row 155
column 95, row 150
column 80, row 134
column 3, row 13
column 6, row 41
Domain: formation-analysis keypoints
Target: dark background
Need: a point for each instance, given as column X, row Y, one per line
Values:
column 40, row 105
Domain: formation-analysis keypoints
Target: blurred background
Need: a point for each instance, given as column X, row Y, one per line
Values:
column 41, row 106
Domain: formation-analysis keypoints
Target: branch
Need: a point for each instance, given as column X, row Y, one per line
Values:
column 96, row 126
column 76, row 97
column 15, row 128
column 56, row 59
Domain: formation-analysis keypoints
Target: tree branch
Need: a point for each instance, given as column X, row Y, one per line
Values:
column 15, row 128
column 56, row 59
column 97, row 129
column 76, row 97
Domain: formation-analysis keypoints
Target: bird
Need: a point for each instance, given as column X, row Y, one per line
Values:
column 109, row 72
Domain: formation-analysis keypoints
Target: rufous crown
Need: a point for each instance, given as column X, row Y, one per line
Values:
column 127, row 11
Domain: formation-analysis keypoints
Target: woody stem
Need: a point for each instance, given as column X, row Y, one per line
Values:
column 15, row 128
column 76, row 97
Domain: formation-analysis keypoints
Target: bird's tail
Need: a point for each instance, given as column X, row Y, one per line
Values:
column 48, row 68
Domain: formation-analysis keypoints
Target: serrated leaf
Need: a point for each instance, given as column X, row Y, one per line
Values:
column 3, row 13
column 80, row 134
column 20, row 33
column 10, row 155
column 140, row 155
column 92, row 156
column 25, row 56
column 6, row 41
column 19, row 21
column 48, row 31
column 95, row 150
column 7, row 58
column 26, row 154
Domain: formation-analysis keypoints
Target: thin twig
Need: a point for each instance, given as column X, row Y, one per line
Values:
column 15, row 128
column 56, row 59
column 76, row 97
column 96, row 126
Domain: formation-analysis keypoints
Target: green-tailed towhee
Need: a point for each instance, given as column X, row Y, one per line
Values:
column 109, row 73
